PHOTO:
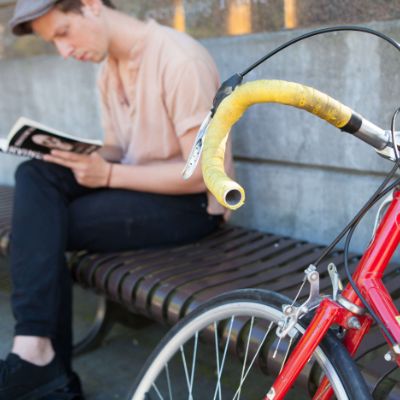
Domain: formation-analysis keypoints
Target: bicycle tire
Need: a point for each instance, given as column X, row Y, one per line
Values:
column 330, row 357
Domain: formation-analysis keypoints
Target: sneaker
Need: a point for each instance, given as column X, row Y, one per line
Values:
column 71, row 391
column 22, row 380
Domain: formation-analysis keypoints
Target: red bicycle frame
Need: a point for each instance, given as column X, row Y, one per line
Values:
column 368, row 278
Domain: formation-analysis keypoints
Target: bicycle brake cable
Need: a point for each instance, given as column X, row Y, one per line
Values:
column 236, row 79
column 367, row 205
column 356, row 221
column 346, row 262
column 339, row 28
column 359, row 215
column 379, row 193
column 350, row 228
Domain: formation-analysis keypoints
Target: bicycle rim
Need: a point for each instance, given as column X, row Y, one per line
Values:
column 224, row 350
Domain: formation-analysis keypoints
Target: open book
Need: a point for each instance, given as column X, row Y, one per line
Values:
column 31, row 139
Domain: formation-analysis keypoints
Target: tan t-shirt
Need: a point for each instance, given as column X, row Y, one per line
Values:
column 168, row 91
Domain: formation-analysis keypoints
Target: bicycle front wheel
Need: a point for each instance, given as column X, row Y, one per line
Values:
column 228, row 348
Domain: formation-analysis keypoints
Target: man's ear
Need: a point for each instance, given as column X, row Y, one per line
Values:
column 95, row 6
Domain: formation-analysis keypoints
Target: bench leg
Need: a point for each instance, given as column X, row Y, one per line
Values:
column 107, row 314
column 102, row 324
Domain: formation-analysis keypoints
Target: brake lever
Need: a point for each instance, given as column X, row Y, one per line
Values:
column 224, row 90
column 197, row 148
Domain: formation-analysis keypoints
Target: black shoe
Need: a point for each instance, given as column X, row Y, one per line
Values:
column 71, row 391
column 21, row 380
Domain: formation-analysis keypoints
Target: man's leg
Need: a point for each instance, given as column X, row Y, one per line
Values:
column 38, row 269
column 120, row 220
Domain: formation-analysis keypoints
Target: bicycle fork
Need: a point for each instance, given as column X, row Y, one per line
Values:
column 328, row 313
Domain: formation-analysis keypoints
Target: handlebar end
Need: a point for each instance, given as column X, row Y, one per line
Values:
column 234, row 198
column 227, row 192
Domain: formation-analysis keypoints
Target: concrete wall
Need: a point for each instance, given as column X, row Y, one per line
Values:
column 55, row 92
column 303, row 177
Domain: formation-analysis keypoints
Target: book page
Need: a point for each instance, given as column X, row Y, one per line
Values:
column 38, row 141
column 22, row 121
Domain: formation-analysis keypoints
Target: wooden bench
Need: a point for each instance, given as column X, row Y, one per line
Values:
column 165, row 284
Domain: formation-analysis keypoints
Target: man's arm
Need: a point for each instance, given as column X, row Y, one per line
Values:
column 157, row 177
column 160, row 177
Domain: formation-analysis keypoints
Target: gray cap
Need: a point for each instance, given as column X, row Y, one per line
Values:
column 26, row 11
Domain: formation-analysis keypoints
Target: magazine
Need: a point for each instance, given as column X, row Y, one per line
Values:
column 31, row 139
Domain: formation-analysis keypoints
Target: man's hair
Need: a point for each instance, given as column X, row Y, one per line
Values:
column 76, row 5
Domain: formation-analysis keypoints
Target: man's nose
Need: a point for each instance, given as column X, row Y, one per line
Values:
column 64, row 49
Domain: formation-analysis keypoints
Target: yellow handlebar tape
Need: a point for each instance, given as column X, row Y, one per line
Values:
column 229, row 193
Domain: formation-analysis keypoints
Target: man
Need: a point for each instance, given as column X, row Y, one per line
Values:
column 156, row 87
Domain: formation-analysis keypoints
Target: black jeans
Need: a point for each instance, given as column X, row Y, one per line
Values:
column 53, row 213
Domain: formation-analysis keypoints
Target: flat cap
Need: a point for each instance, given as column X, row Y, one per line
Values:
column 26, row 11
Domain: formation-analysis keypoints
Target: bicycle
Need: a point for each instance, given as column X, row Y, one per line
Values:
column 274, row 333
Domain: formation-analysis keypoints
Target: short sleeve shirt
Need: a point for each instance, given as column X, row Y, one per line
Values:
column 171, row 83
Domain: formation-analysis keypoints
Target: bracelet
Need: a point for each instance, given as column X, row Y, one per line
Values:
column 109, row 175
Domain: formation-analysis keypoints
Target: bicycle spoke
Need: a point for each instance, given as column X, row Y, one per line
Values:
column 244, row 343
column 277, row 347
column 196, row 341
column 245, row 356
column 286, row 355
column 217, row 357
column 223, row 358
column 157, row 391
column 168, row 381
column 254, row 358
column 186, row 372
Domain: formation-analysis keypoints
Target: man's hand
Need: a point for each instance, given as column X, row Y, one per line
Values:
column 90, row 170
